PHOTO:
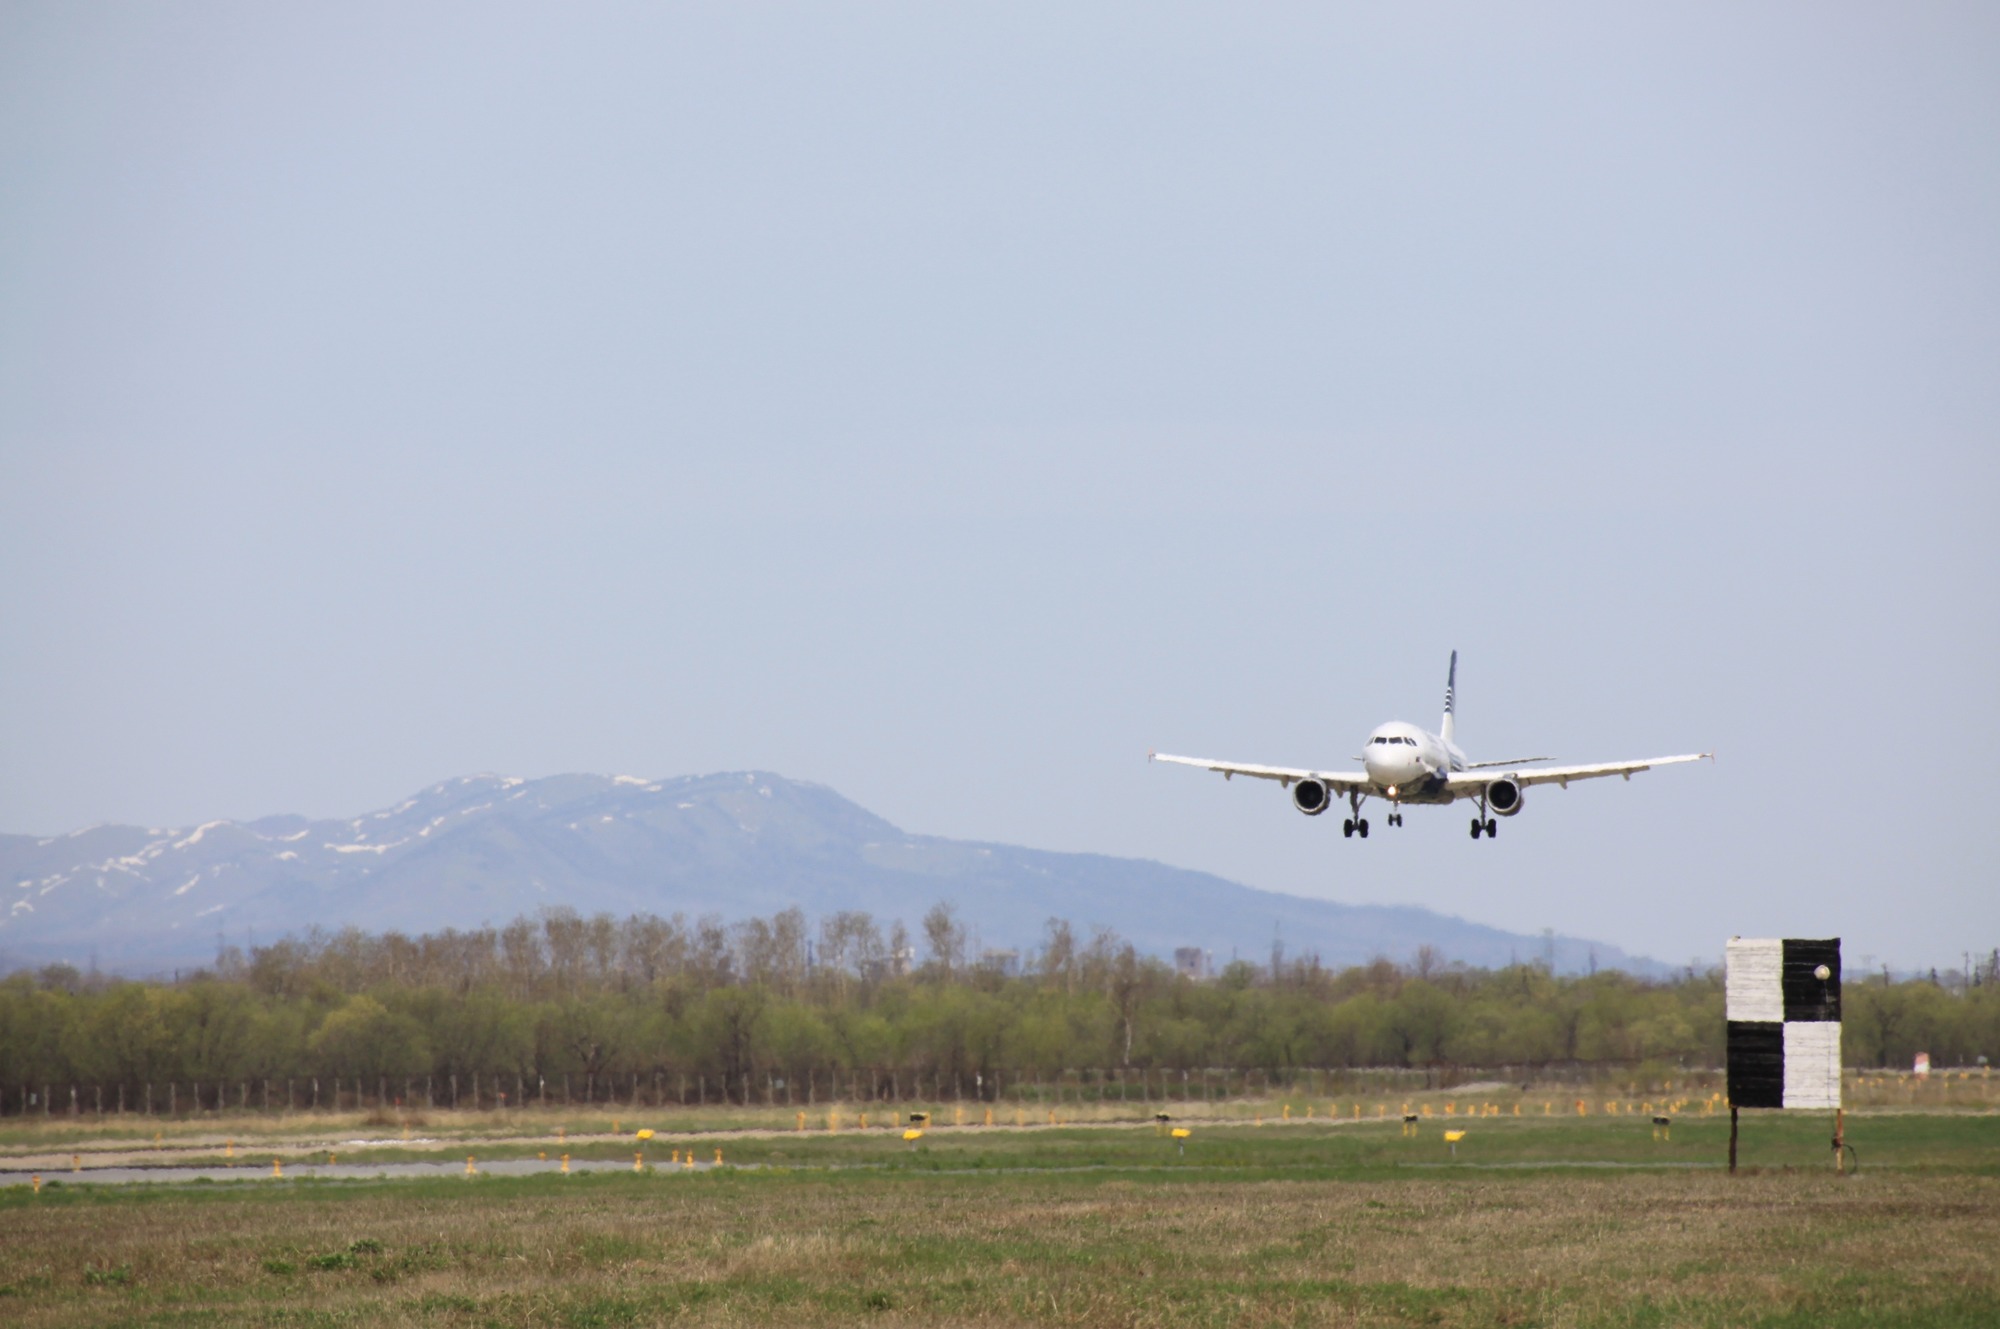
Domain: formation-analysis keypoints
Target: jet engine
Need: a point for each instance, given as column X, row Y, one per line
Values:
column 1504, row 797
column 1309, row 797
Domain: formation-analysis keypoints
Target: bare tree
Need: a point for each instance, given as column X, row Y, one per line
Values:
column 710, row 962
column 655, row 948
column 772, row 951
column 945, row 936
column 1126, row 983
column 521, row 956
column 1059, row 955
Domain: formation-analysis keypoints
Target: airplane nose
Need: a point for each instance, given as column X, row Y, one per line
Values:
column 1387, row 765
column 1399, row 766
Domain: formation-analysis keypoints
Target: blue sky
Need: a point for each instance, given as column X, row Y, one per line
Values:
column 951, row 404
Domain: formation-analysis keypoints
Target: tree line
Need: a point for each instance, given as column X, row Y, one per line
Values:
column 668, row 1009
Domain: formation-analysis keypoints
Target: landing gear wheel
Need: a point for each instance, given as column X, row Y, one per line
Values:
column 1477, row 827
column 1492, row 828
column 1347, row 828
column 1362, row 826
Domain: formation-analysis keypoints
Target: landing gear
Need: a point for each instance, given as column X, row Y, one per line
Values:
column 1394, row 819
column 1347, row 828
column 1357, row 824
column 1483, row 824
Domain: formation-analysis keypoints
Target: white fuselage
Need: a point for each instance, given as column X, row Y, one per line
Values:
column 1408, row 764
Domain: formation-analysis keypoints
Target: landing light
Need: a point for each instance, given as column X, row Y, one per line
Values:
column 1392, row 791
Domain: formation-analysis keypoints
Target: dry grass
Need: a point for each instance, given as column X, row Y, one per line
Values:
column 1255, row 1233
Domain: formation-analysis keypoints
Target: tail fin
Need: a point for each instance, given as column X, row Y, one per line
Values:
column 1450, row 686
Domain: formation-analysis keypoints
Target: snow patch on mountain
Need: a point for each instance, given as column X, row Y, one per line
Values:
column 195, row 838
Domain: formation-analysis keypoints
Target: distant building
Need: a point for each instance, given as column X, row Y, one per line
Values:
column 897, row 964
column 1193, row 962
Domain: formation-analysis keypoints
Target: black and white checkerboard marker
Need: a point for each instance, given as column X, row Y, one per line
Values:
column 1782, row 1001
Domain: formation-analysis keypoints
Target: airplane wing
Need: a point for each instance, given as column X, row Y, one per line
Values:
column 1469, row 781
column 1341, row 781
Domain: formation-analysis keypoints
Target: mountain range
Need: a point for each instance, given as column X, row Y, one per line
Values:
column 487, row 848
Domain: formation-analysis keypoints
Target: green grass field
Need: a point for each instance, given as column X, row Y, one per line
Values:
column 1538, row 1221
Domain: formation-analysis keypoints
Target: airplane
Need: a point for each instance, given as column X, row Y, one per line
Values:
column 1406, row 764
